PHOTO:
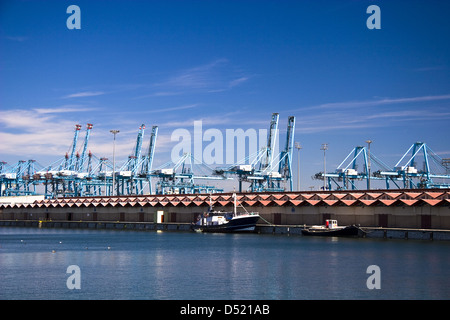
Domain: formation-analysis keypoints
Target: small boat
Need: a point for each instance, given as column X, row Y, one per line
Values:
column 331, row 229
column 219, row 221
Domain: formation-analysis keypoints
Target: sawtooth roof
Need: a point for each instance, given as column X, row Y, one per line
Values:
column 407, row 198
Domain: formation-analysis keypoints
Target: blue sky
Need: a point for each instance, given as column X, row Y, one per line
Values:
column 230, row 64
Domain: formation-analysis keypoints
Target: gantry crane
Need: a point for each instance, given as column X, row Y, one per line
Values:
column 135, row 174
column 19, row 180
column 70, row 160
column 7, row 178
column 181, row 177
column 404, row 174
column 147, row 164
column 412, row 176
column 80, row 165
column 126, row 176
column 71, row 175
column 285, row 162
column 355, row 167
column 255, row 168
column 265, row 170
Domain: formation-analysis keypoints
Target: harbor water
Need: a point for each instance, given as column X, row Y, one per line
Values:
column 113, row 264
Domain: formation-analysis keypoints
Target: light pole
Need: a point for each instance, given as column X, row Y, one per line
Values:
column 114, row 132
column 368, row 163
column 298, row 147
column 324, row 147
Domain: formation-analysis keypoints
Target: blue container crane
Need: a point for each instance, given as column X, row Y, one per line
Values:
column 265, row 170
column 80, row 167
column 412, row 176
column 70, row 165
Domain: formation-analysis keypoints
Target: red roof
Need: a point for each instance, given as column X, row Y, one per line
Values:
column 432, row 202
column 408, row 202
column 367, row 202
column 348, row 202
column 265, row 202
column 280, row 202
column 330, row 202
column 342, row 198
column 296, row 202
column 386, row 202
column 434, row 194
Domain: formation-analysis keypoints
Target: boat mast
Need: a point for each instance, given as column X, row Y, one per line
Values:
column 210, row 202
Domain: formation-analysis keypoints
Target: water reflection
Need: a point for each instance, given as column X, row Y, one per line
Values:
column 170, row 265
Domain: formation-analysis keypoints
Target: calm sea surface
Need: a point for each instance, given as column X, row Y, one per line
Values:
column 181, row 265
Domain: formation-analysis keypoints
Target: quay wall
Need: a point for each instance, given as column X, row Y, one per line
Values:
column 417, row 209
column 287, row 230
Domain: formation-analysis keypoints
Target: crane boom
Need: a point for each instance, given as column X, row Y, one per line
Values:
column 271, row 139
column 285, row 167
column 147, row 167
column 70, row 162
column 89, row 127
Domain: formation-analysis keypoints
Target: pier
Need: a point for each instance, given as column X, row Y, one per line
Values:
column 400, row 214
column 406, row 208
column 286, row 230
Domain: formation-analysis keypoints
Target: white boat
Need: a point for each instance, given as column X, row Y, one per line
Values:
column 220, row 221
column 332, row 229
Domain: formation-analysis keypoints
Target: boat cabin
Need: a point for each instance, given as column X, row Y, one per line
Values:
column 213, row 220
column 331, row 224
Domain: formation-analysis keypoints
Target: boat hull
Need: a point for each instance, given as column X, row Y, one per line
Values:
column 349, row 231
column 240, row 224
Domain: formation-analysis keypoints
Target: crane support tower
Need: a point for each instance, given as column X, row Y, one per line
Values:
column 265, row 170
column 405, row 174
column 432, row 174
column 70, row 165
column 80, row 167
column 147, row 164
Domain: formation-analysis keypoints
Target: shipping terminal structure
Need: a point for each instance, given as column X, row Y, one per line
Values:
column 81, row 173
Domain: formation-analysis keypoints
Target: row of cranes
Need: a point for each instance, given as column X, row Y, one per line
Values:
column 25, row 176
column 362, row 165
column 81, row 173
column 265, row 170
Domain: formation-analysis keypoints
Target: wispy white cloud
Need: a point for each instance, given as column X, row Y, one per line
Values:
column 216, row 76
column 183, row 107
column 378, row 102
column 16, row 38
column 160, row 94
column 84, row 94
column 46, row 134
column 207, row 121
column 430, row 68
column 64, row 109
column 196, row 77
column 33, row 134
column 410, row 115
column 238, row 81
column 378, row 113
